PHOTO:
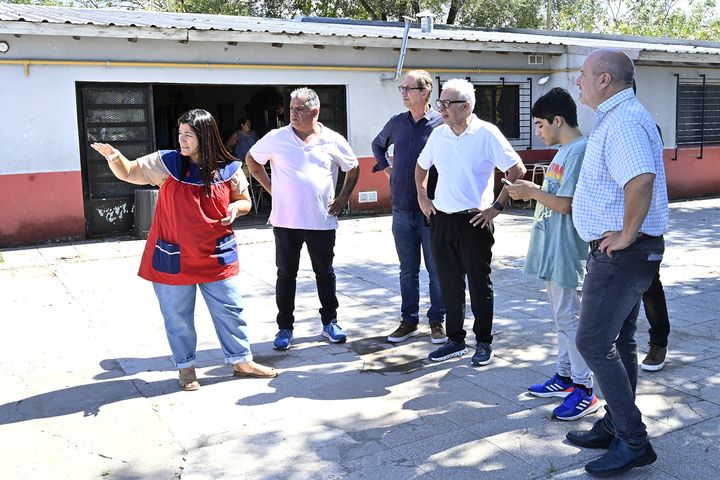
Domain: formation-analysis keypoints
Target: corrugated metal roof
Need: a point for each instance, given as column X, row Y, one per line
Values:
column 335, row 28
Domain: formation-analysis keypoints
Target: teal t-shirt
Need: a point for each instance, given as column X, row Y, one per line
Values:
column 556, row 252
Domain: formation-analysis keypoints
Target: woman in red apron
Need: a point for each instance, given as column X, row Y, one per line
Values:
column 191, row 243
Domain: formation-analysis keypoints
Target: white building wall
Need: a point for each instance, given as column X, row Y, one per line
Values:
column 43, row 134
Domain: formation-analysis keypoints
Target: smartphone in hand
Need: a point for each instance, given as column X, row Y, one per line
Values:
column 506, row 181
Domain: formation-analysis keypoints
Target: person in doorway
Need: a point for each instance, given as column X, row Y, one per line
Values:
column 241, row 141
column 620, row 208
column 556, row 253
column 408, row 132
column 465, row 151
column 305, row 157
column 191, row 243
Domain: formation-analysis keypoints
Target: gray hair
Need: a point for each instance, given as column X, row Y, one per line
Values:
column 465, row 89
column 311, row 98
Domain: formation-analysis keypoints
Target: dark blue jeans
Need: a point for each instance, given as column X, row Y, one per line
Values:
column 321, row 248
column 606, row 332
column 412, row 235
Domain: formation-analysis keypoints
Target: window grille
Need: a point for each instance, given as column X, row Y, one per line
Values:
column 697, row 112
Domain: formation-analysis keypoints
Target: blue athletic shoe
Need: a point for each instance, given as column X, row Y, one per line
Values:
column 334, row 333
column 577, row 405
column 448, row 350
column 552, row 388
column 283, row 339
column 483, row 354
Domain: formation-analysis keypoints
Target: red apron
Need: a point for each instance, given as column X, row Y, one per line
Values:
column 187, row 244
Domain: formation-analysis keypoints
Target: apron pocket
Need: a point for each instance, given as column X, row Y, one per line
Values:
column 226, row 250
column 166, row 257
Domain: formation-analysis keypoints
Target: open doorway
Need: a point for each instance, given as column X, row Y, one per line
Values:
column 267, row 108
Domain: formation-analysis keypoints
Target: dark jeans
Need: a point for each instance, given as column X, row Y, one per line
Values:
column 320, row 246
column 656, row 312
column 412, row 237
column 606, row 332
column 460, row 249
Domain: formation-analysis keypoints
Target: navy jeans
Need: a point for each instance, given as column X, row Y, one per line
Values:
column 412, row 235
column 321, row 248
column 606, row 332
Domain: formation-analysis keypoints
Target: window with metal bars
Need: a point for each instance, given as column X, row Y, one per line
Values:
column 507, row 106
column 697, row 110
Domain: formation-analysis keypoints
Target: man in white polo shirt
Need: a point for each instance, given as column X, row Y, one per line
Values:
column 465, row 151
column 304, row 158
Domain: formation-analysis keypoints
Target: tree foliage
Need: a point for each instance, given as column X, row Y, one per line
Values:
column 660, row 18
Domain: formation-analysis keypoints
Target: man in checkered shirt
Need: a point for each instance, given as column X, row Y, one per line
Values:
column 620, row 208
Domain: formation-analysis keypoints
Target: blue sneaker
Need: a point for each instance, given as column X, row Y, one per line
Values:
column 577, row 405
column 449, row 349
column 283, row 339
column 552, row 388
column 334, row 333
column 483, row 354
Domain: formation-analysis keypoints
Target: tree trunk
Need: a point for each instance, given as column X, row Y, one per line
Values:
column 455, row 6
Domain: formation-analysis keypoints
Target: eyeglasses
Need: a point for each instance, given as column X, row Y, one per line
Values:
column 403, row 89
column 446, row 103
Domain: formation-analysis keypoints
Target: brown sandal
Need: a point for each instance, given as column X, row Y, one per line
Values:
column 256, row 371
column 188, row 380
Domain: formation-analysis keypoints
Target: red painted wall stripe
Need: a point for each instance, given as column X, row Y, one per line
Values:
column 36, row 207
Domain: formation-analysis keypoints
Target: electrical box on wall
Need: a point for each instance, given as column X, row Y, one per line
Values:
column 367, row 197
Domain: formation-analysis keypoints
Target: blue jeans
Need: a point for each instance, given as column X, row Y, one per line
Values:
column 177, row 304
column 606, row 331
column 411, row 233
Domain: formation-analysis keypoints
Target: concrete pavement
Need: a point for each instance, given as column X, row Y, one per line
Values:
column 90, row 392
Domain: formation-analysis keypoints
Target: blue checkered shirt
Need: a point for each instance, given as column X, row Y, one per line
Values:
column 623, row 144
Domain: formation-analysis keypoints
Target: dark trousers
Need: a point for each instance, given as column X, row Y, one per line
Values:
column 656, row 312
column 606, row 332
column 462, row 250
column 321, row 248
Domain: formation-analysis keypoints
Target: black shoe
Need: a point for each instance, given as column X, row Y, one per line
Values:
column 596, row 437
column 621, row 458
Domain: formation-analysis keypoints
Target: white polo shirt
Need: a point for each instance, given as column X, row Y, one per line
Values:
column 303, row 176
column 466, row 164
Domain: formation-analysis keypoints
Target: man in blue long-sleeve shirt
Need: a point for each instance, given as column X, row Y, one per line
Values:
column 408, row 132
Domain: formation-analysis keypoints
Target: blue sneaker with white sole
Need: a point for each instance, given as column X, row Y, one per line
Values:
column 554, row 387
column 283, row 339
column 334, row 333
column 448, row 350
column 577, row 405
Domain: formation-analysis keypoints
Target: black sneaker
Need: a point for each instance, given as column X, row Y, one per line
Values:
column 655, row 359
column 404, row 331
column 483, row 354
column 449, row 350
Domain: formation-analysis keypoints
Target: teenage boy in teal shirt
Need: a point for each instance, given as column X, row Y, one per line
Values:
column 556, row 253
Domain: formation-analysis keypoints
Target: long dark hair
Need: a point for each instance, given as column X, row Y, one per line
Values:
column 212, row 152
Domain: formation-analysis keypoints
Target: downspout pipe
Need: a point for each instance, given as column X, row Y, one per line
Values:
column 403, row 49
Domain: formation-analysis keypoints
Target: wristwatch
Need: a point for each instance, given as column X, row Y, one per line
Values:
column 498, row 206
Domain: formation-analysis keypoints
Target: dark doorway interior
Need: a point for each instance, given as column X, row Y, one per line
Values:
column 141, row 118
column 265, row 106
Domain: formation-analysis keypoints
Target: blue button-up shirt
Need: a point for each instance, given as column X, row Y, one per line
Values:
column 409, row 138
column 623, row 144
